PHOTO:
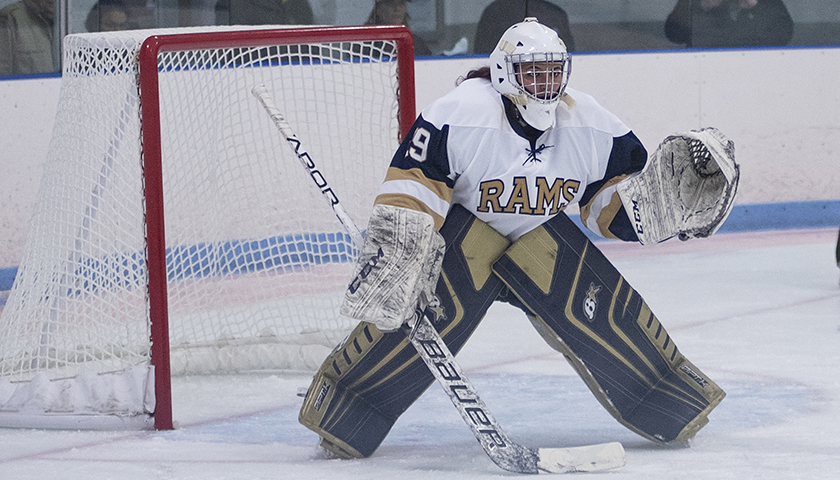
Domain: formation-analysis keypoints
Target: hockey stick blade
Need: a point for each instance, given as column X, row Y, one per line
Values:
column 440, row 361
column 504, row 453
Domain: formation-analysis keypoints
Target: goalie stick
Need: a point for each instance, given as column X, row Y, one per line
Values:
column 435, row 354
column 261, row 92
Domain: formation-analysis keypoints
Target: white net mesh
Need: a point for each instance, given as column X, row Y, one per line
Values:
column 257, row 262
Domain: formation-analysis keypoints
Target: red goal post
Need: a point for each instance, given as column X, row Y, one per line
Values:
column 150, row 108
column 215, row 229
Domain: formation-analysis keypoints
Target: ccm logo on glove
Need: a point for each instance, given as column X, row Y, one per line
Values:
column 357, row 280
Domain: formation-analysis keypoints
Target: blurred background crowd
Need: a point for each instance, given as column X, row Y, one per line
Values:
column 30, row 29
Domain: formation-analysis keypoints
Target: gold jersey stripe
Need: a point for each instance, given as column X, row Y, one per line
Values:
column 407, row 201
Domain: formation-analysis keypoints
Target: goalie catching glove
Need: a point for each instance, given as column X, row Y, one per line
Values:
column 686, row 189
column 397, row 270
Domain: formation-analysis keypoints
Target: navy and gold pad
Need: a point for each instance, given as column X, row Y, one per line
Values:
column 370, row 379
column 586, row 310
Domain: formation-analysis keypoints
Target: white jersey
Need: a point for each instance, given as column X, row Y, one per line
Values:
column 465, row 149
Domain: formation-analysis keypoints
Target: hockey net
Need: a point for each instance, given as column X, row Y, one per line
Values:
column 157, row 137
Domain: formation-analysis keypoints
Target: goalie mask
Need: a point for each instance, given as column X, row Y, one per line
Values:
column 531, row 67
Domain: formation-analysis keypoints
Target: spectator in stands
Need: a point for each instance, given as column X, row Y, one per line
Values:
column 729, row 23
column 395, row 12
column 27, row 38
column 263, row 12
column 501, row 14
column 108, row 16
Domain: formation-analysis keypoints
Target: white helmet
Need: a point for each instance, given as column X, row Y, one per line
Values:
column 530, row 50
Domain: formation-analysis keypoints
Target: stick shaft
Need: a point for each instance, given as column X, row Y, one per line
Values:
column 264, row 97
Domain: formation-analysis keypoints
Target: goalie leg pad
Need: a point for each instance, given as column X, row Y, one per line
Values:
column 372, row 377
column 585, row 309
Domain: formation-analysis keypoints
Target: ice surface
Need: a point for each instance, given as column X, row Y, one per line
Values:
column 758, row 312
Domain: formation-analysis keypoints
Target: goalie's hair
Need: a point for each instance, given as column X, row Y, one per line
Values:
column 481, row 72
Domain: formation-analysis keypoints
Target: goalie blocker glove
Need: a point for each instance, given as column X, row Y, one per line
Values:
column 397, row 269
column 686, row 189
